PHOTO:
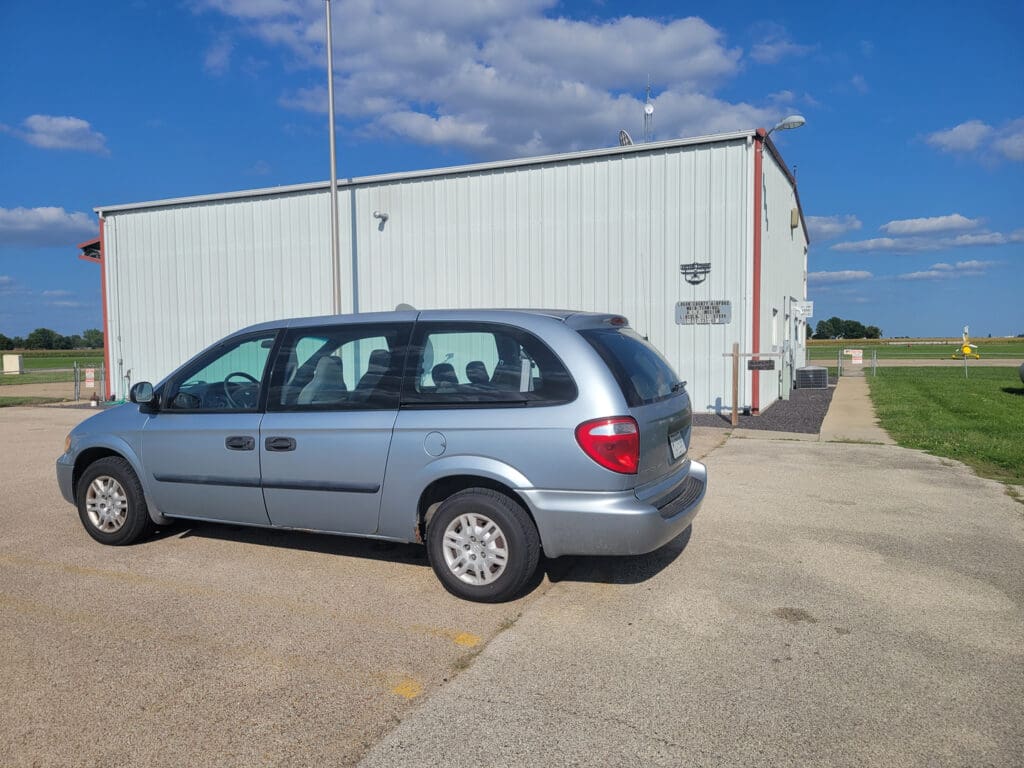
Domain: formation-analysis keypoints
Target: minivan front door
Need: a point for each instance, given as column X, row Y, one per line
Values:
column 325, row 437
column 201, row 448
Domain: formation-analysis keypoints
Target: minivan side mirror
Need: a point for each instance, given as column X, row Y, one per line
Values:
column 141, row 393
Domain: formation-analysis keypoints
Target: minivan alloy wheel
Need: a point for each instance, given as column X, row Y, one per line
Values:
column 482, row 545
column 111, row 503
column 475, row 548
column 106, row 503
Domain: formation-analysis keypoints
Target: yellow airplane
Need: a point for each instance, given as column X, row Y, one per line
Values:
column 965, row 349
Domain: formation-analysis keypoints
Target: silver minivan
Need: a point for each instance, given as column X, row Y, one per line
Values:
column 490, row 436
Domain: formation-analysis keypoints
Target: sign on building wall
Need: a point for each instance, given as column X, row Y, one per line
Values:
column 803, row 309
column 703, row 312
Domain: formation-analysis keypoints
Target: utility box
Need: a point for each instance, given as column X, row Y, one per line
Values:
column 812, row 377
column 13, row 364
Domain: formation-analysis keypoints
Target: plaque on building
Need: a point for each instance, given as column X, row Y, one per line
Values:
column 710, row 312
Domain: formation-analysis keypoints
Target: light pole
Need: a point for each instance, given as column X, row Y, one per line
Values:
column 785, row 124
column 335, row 251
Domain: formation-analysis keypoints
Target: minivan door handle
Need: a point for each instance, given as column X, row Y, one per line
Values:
column 240, row 443
column 280, row 444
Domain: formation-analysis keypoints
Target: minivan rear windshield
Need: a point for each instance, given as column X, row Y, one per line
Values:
column 642, row 373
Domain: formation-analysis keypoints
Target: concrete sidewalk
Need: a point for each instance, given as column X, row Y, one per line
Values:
column 851, row 416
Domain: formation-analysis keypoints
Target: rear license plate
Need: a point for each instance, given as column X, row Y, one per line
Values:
column 677, row 444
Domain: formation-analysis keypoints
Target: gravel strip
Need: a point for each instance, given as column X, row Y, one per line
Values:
column 803, row 412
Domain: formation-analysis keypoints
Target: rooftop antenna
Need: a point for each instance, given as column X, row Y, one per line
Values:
column 648, row 112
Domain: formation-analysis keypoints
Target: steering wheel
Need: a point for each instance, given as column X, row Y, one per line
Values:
column 247, row 393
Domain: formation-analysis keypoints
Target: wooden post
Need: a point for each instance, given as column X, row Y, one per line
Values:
column 735, row 383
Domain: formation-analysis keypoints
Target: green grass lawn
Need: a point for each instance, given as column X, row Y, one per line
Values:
column 978, row 420
column 8, row 402
column 62, row 359
column 827, row 350
column 38, row 378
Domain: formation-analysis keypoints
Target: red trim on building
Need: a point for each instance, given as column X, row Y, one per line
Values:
column 755, row 378
column 106, row 321
column 92, row 251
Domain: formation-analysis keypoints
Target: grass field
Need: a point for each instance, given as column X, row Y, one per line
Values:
column 914, row 348
column 8, row 402
column 978, row 420
column 39, row 364
column 48, row 377
column 61, row 359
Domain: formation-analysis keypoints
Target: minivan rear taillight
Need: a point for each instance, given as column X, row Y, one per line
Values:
column 613, row 443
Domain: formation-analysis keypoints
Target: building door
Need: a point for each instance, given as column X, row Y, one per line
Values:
column 200, row 448
column 325, row 438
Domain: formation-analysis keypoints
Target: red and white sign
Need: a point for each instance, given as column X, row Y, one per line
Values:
column 856, row 356
column 90, row 377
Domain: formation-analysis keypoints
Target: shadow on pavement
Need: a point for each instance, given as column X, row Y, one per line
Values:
column 602, row 570
column 616, row 570
column 346, row 546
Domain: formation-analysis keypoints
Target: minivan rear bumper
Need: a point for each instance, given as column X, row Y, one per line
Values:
column 618, row 523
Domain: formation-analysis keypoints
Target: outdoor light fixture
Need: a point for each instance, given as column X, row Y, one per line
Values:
column 788, row 123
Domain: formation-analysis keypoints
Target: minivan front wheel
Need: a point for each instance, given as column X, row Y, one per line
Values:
column 483, row 546
column 111, row 503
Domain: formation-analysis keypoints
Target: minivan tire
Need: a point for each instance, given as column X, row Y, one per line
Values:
column 111, row 502
column 479, row 523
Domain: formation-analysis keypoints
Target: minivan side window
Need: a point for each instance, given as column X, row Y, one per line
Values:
column 339, row 368
column 478, row 364
column 228, row 379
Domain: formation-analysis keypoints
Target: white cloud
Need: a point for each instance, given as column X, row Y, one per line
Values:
column 827, row 227
column 952, row 222
column 859, row 84
column 842, row 276
column 769, row 53
column 501, row 78
column 218, row 57
column 47, row 226
column 1010, row 141
column 6, row 281
column 52, row 132
column 975, row 264
column 917, row 244
column 874, row 244
column 1005, row 141
column 775, row 45
column 943, row 271
column 57, row 294
column 928, row 274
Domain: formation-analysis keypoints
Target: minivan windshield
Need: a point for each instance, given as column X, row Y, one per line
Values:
column 642, row 373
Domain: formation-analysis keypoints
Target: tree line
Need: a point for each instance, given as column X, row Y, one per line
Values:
column 44, row 338
column 837, row 328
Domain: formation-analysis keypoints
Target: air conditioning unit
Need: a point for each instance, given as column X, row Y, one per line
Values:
column 812, row 377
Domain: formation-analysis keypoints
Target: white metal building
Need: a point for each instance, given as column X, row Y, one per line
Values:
column 604, row 230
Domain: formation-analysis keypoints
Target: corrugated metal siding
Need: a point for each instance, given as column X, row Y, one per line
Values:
column 603, row 233
column 179, row 278
column 606, row 234
column 783, row 277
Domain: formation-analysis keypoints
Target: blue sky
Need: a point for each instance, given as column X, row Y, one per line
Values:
column 910, row 167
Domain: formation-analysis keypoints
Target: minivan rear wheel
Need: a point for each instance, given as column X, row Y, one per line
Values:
column 483, row 546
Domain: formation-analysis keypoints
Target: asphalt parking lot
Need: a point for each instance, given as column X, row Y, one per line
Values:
column 836, row 604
